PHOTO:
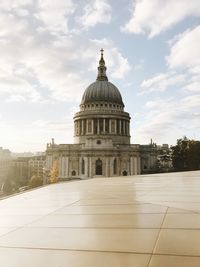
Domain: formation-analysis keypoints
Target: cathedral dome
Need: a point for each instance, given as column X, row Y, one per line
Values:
column 102, row 90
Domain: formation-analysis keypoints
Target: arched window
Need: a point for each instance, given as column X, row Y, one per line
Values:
column 73, row 173
column 98, row 167
column 115, row 166
column 83, row 166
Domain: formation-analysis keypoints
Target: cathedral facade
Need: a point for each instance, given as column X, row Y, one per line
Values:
column 101, row 137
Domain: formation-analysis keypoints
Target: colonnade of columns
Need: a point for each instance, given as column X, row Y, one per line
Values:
column 86, row 166
column 101, row 126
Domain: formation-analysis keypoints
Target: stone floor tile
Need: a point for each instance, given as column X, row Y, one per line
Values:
column 185, row 221
column 174, row 261
column 140, row 220
column 178, row 242
column 116, row 240
column 59, row 258
column 113, row 209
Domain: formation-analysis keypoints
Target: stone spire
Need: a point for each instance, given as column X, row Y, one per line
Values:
column 102, row 69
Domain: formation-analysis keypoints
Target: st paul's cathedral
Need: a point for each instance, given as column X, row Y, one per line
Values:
column 101, row 137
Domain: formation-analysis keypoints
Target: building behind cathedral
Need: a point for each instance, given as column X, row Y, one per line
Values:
column 101, row 137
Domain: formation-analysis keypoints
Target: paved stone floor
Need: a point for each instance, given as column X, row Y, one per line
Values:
column 138, row 221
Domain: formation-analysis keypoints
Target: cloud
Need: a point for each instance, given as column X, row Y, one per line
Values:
column 155, row 16
column 193, row 84
column 162, row 81
column 54, row 14
column 167, row 119
column 13, row 4
column 98, row 11
column 185, row 56
column 16, row 88
column 170, row 118
column 190, row 102
column 42, row 61
column 184, row 50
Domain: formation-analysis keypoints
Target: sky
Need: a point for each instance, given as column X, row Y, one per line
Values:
column 49, row 52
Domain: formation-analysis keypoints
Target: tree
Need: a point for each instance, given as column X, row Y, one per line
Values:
column 9, row 183
column 186, row 155
column 193, row 155
column 54, row 172
column 35, row 181
column 7, row 187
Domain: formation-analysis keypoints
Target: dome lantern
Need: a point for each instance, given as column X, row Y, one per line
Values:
column 102, row 69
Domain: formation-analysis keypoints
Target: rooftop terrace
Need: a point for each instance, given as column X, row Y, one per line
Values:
column 138, row 221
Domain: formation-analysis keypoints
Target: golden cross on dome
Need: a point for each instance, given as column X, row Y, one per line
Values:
column 102, row 51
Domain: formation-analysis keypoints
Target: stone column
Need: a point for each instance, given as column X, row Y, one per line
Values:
column 82, row 127
column 138, row 165
column 132, row 166
column 86, row 167
column 79, row 128
column 104, row 125
column 76, row 127
column 107, row 167
column 90, row 167
column 128, row 128
column 115, row 126
column 66, row 166
column 110, row 126
column 135, row 166
column 92, row 126
column 97, row 126
column 120, row 125
column 86, row 126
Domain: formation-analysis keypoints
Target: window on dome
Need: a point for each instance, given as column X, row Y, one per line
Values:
column 106, row 125
column 112, row 126
column 101, row 125
column 89, row 126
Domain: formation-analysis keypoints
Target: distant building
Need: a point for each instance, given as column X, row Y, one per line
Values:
column 5, row 163
column 101, row 137
column 26, row 167
column 36, row 165
column 20, row 169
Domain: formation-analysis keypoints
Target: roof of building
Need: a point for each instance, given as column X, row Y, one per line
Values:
column 136, row 221
column 102, row 90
